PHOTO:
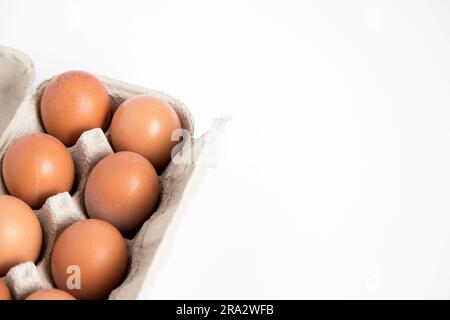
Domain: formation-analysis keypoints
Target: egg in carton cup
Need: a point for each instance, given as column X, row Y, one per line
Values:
column 150, row 245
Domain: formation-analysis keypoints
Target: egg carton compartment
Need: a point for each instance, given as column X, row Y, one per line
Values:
column 62, row 210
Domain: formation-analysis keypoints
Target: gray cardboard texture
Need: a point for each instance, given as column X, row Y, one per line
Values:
column 19, row 111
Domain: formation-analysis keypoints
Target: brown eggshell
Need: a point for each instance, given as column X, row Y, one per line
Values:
column 122, row 189
column 98, row 251
column 144, row 124
column 20, row 233
column 50, row 294
column 36, row 167
column 72, row 103
column 4, row 291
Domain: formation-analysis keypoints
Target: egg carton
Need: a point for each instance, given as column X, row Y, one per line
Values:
column 19, row 102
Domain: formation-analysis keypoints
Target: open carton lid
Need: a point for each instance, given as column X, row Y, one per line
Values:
column 16, row 79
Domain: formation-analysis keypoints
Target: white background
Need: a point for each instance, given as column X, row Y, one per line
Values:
column 334, row 176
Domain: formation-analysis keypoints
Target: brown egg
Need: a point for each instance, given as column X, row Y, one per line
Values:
column 89, row 259
column 20, row 233
column 72, row 103
column 4, row 291
column 50, row 294
column 122, row 189
column 36, row 167
column 144, row 124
